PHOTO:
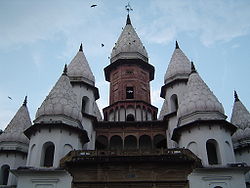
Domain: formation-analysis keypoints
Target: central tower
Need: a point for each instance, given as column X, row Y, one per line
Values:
column 129, row 74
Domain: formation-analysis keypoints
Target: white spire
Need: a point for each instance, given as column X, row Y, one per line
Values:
column 60, row 104
column 164, row 109
column 20, row 122
column 179, row 65
column 241, row 118
column 79, row 69
column 129, row 45
column 199, row 102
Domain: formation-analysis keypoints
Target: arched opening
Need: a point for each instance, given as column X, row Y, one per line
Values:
column 130, row 143
column 130, row 117
column 85, row 105
column 160, row 141
column 174, row 103
column 115, row 143
column 129, row 92
column 4, row 176
column 101, row 142
column 47, row 158
column 145, row 142
column 212, row 152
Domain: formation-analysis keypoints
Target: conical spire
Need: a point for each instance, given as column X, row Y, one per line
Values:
column 179, row 65
column 128, row 22
column 79, row 69
column 129, row 45
column 14, row 130
column 200, row 101
column 61, row 102
column 240, row 115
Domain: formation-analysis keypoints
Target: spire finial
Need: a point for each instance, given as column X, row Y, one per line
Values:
column 176, row 45
column 80, row 49
column 236, row 98
column 25, row 101
column 65, row 70
column 193, row 70
column 128, row 8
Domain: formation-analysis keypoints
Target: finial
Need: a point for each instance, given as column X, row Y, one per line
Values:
column 236, row 98
column 80, row 49
column 176, row 45
column 25, row 101
column 193, row 70
column 128, row 22
column 65, row 70
column 128, row 8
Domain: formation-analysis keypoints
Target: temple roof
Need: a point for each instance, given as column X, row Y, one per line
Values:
column 129, row 45
column 79, row 68
column 60, row 104
column 200, row 101
column 14, row 130
column 179, row 65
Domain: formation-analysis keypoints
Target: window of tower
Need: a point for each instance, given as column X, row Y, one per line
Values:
column 85, row 105
column 174, row 103
column 129, row 92
column 4, row 176
column 212, row 152
column 130, row 117
column 48, row 154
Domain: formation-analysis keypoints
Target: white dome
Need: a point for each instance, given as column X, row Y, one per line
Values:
column 129, row 45
column 200, row 100
column 79, row 68
column 179, row 65
column 61, row 101
column 14, row 130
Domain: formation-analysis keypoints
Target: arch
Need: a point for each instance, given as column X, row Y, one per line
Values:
column 66, row 149
column 47, row 157
column 212, row 152
column 130, row 117
column 101, row 142
column 160, row 141
column 115, row 143
column 129, row 92
column 130, row 142
column 4, row 176
column 85, row 105
column 145, row 142
column 174, row 103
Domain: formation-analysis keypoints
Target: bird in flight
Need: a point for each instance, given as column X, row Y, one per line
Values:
column 92, row 6
column 9, row 97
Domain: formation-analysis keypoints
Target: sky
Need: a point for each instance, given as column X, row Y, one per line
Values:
column 37, row 38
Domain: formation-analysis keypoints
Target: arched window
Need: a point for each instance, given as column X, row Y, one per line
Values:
column 160, row 141
column 116, row 143
column 130, row 117
column 47, row 157
column 85, row 104
column 4, row 176
column 212, row 152
column 174, row 103
column 101, row 142
column 129, row 92
column 145, row 142
column 130, row 142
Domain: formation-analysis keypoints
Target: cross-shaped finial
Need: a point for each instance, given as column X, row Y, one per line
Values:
column 128, row 7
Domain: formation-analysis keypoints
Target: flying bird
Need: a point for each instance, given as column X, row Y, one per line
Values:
column 9, row 97
column 102, row 45
column 92, row 6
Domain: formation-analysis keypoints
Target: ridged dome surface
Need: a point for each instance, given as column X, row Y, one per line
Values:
column 179, row 65
column 80, row 70
column 129, row 45
column 60, row 101
column 14, row 130
column 200, row 99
